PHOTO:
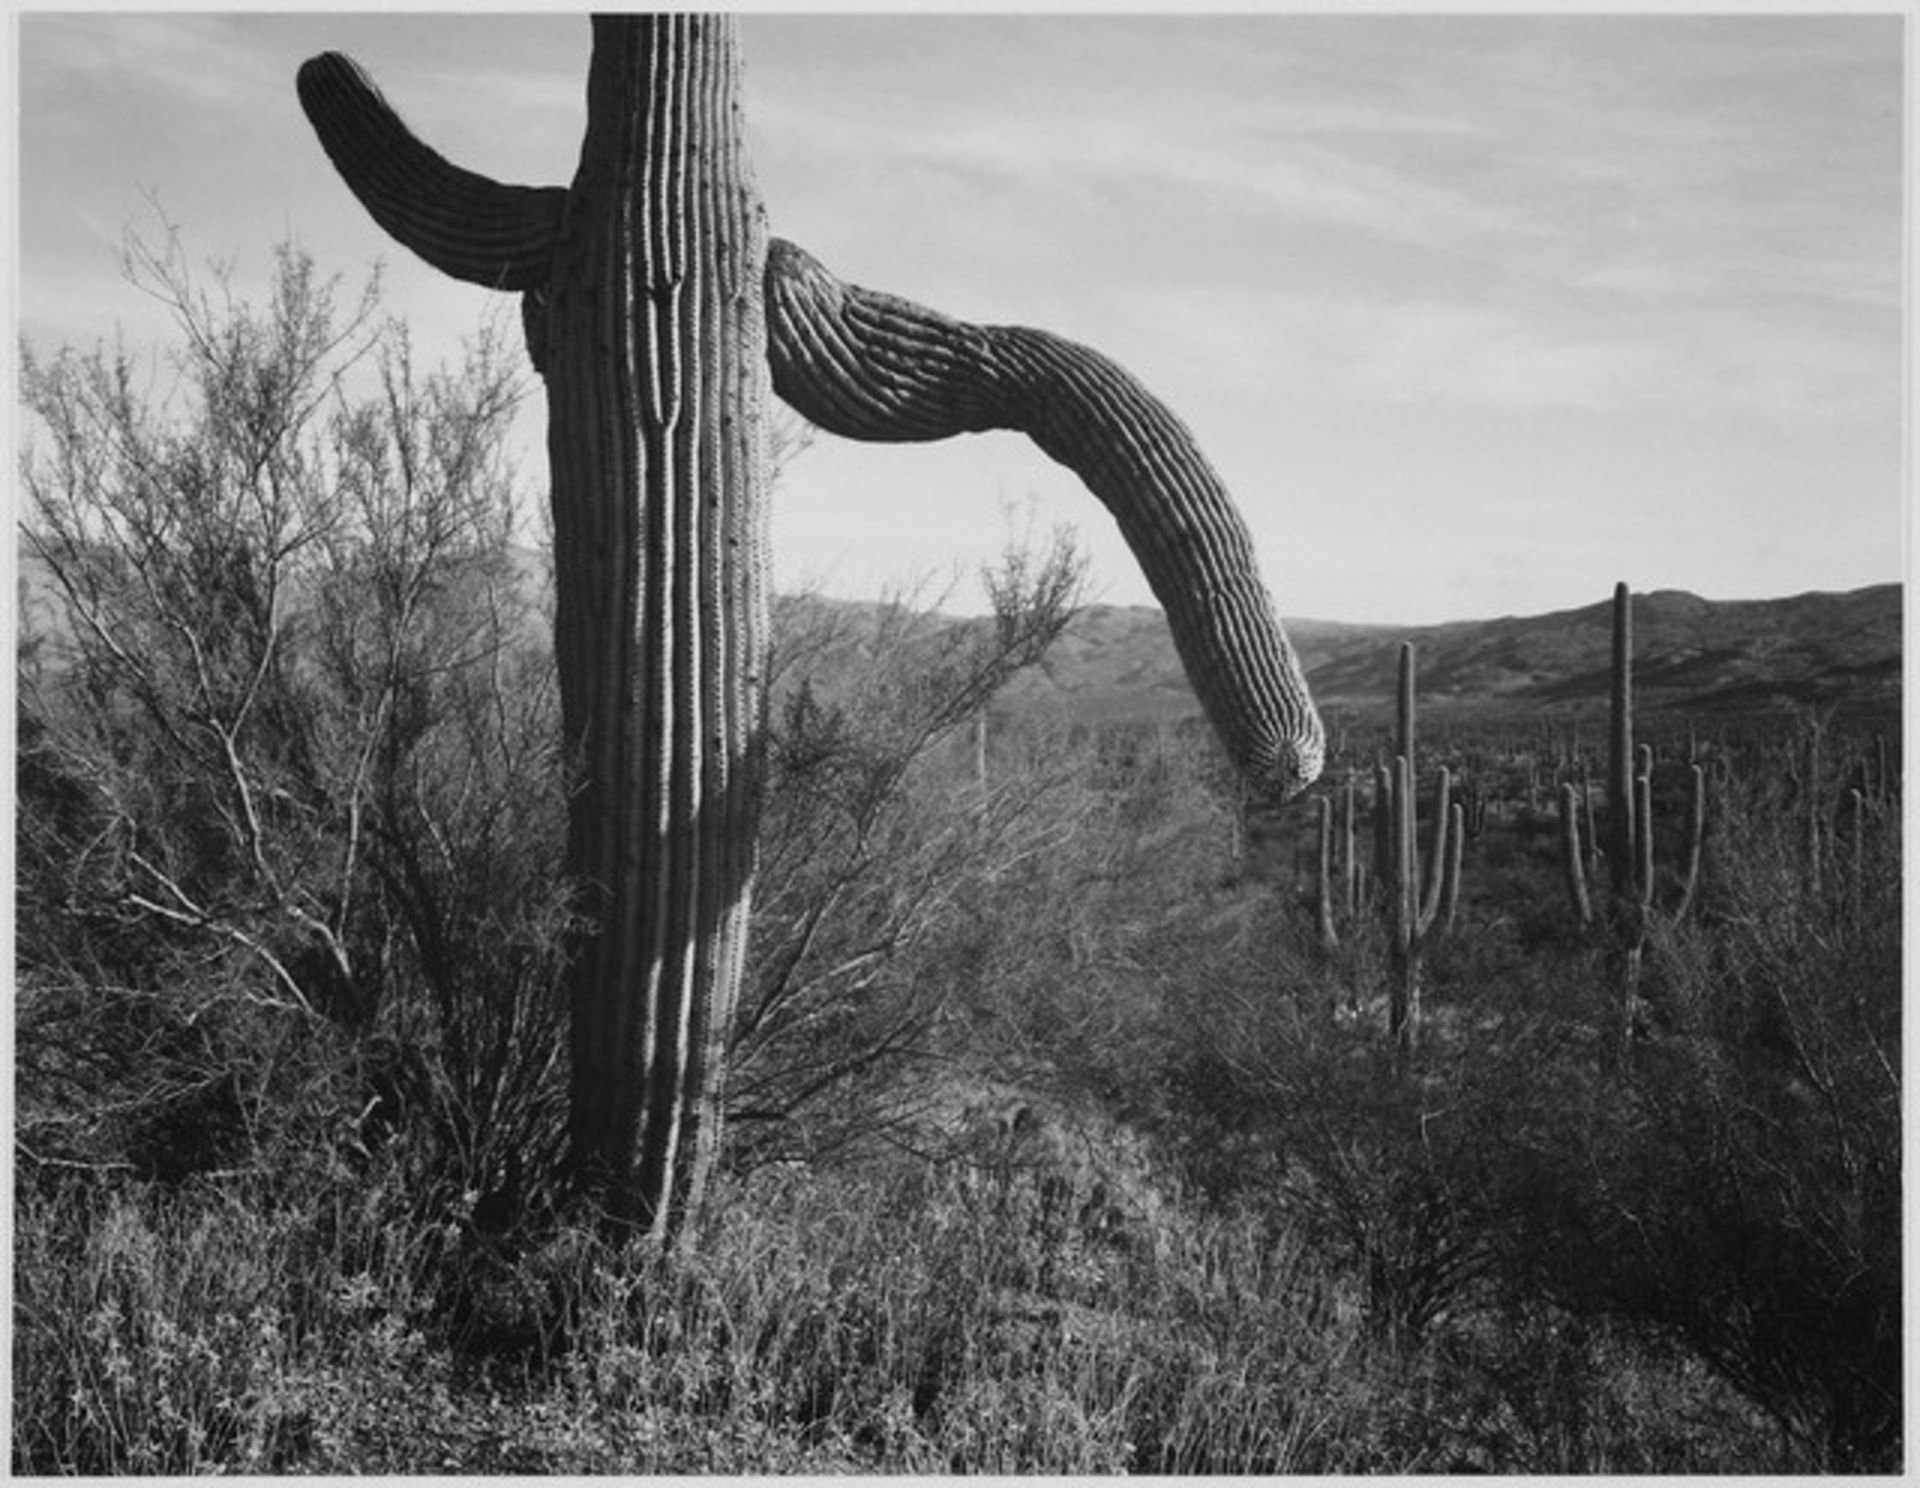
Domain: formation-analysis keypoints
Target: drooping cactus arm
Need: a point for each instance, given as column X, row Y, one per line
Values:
column 872, row 366
column 464, row 224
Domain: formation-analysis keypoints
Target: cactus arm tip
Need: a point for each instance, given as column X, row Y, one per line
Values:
column 872, row 366
column 466, row 225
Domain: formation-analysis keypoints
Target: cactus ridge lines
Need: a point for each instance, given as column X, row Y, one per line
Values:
column 873, row 366
column 466, row 225
column 652, row 365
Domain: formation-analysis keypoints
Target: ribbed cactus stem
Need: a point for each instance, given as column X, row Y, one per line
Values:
column 1456, row 846
column 1594, row 851
column 1643, row 829
column 1406, row 855
column 1350, row 874
column 1323, row 879
column 657, row 393
column 1630, row 818
column 1438, row 851
column 1403, row 1004
column 1414, row 910
column 1383, row 879
column 871, row 366
column 1403, row 743
column 1404, row 704
column 1620, row 822
column 646, row 273
column 1571, row 859
column 474, row 229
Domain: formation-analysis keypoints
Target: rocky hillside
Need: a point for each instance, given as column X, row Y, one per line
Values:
column 1840, row 650
column 1711, row 656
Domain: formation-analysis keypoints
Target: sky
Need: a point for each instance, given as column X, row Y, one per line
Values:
column 1475, row 315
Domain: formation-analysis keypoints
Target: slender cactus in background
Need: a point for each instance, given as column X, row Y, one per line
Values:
column 1629, row 853
column 1323, row 880
column 1337, row 878
column 1382, row 826
column 1575, row 872
column 1595, row 855
column 658, row 312
column 1412, row 902
column 1620, row 858
column 1350, row 863
column 1411, row 911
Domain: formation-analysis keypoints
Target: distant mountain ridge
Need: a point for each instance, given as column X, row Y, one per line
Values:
column 1842, row 650
column 1839, row 650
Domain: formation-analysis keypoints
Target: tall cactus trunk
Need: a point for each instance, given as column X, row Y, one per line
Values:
column 657, row 384
column 1329, row 936
column 644, row 315
column 1620, row 824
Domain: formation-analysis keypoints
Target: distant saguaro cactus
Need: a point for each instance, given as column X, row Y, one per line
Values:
column 1411, row 909
column 1629, row 831
column 1412, row 903
column 658, row 312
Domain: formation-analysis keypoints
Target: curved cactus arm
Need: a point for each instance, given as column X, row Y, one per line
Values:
column 463, row 224
column 872, row 366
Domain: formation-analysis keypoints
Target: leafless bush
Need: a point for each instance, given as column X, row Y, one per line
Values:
column 876, row 846
column 288, row 763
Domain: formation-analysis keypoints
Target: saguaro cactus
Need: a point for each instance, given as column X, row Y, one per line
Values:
column 1412, row 903
column 657, row 312
column 1629, row 852
column 1412, row 911
column 643, row 316
column 1620, row 813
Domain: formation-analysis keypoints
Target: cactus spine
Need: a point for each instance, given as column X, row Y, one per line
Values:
column 658, row 312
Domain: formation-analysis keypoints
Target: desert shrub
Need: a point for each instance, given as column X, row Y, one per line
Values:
column 1725, row 1209
column 289, row 786
column 879, row 850
column 1737, row 1190
column 1058, row 1144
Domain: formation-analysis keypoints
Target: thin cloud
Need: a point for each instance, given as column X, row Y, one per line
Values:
column 1431, row 353
column 193, row 60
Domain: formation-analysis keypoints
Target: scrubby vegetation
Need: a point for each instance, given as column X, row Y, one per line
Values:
column 1059, row 1138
